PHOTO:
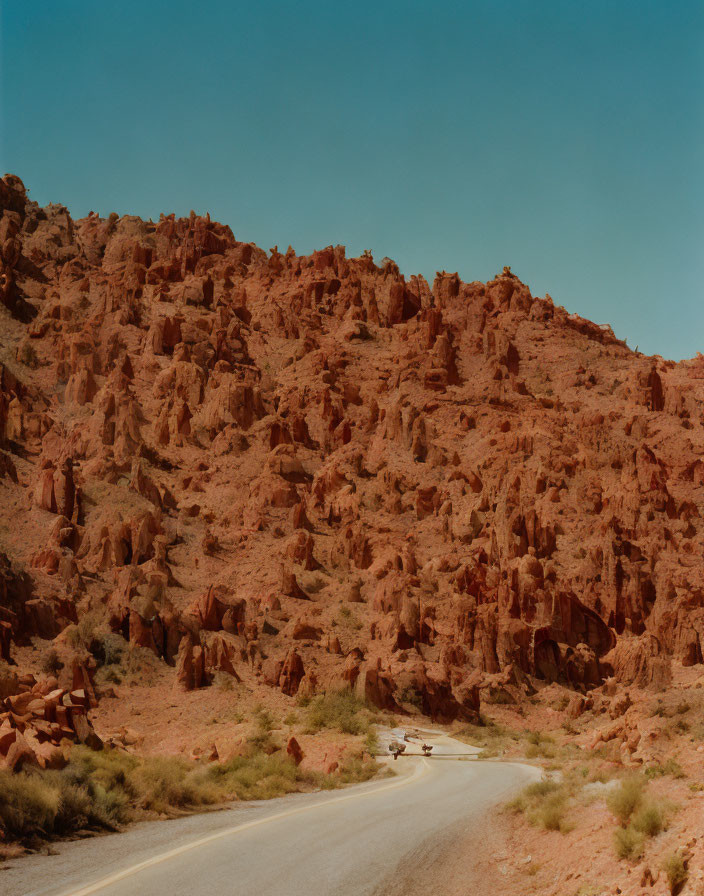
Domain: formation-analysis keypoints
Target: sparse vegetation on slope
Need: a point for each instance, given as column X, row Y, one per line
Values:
column 341, row 711
column 546, row 803
column 103, row 790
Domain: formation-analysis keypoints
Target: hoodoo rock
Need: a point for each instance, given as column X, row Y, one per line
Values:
column 293, row 748
column 292, row 673
column 314, row 472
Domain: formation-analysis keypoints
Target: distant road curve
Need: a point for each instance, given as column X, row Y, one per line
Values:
column 344, row 843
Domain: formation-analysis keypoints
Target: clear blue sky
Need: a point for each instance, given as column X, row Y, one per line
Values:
column 563, row 138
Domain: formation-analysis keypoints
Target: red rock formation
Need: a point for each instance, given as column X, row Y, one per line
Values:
column 190, row 666
column 292, row 673
column 438, row 492
column 38, row 720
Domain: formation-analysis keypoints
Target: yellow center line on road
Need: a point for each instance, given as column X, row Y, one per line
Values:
column 420, row 772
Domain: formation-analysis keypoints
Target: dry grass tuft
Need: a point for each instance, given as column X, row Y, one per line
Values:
column 628, row 843
column 546, row 803
column 626, row 798
column 676, row 871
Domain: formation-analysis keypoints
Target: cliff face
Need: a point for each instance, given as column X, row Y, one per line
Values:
column 307, row 472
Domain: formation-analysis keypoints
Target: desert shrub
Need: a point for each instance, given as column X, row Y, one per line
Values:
column 551, row 815
column 28, row 806
column 261, row 739
column 625, row 799
column 111, row 806
column 75, row 807
column 599, row 775
column 489, row 735
column 223, row 681
column 109, row 649
column 119, row 783
column 545, row 803
column 27, row 355
column 165, row 782
column 649, row 819
column 539, row 744
column 676, row 872
column 542, row 788
column 535, row 751
column 259, row 776
column 89, row 806
column 89, row 630
column 340, row 710
column 356, row 770
column 45, row 804
column 538, row 738
column 51, row 662
column 348, row 618
column 411, row 696
column 671, row 767
column 312, row 583
column 628, row 843
column 110, row 769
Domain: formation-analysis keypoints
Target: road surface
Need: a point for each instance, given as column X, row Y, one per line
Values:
column 354, row 842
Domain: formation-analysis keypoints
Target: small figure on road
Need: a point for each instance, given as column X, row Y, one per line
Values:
column 427, row 749
column 396, row 748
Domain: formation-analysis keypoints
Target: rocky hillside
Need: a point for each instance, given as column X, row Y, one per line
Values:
column 309, row 472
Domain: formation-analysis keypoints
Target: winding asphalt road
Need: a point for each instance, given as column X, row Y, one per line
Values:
column 349, row 843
